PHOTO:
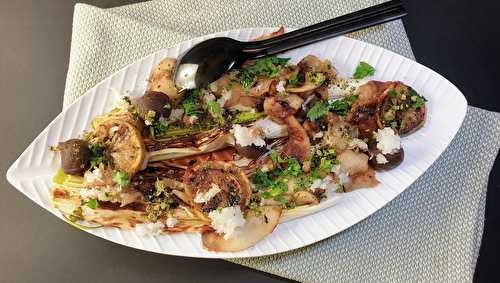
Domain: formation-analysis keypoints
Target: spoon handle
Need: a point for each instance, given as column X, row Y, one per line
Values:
column 372, row 16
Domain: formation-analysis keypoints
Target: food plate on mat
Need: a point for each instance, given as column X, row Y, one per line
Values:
column 276, row 155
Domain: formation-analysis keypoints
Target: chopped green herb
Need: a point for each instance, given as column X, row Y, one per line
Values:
column 158, row 129
column 92, row 203
column 261, row 179
column 318, row 111
column 269, row 67
column 392, row 93
column 292, row 168
column 247, row 117
column 418, row 101
column 363, row 70
column 97, row 155
column 342, row 106
column 121, row 178
column 318, row 78
column 191, row 104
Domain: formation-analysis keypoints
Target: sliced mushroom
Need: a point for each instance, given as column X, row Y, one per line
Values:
column 366, row 179
column 281, row 107
column 257, row 226
column 161, row 79
column 298, row 144
column 353, row 162
column 305, row 198
column 251, row 151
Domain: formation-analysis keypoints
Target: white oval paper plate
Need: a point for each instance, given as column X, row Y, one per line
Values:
column 32, row 172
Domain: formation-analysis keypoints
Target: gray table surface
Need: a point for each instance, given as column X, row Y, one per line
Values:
column 34, row 51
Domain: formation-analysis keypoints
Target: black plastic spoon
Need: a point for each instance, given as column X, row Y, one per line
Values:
column 209, row 59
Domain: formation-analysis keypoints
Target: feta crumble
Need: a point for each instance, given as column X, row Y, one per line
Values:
column 171, row 222
column 227, row 220
column 318, row 135
column 246, row 136
column 93, row 176
column 381, row 159
column 359, row 144
column 387, row 140
column 271, row 129
column 203, row 197
column 280, row 86
column 87, row 194
column 149, row 229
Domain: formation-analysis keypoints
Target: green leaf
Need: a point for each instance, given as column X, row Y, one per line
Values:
column 292, row 168
column 293, row 80
column 97, row 155
column 247, row 117
column 269, row 67
column 342, row 106
column 261, row 179
column 318, row 111
column 121, row 178
column 191, row 104
column 363, row 70
column 318, row 78
column 392, row 93
column 92, row 203
column 275, row 157
column 158, row 129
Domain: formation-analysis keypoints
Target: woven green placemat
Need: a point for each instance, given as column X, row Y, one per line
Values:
column 431, row 232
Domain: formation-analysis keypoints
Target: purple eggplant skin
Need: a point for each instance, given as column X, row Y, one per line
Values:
column 75, row 156
column 153, row 101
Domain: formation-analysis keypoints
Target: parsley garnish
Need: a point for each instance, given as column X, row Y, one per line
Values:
column 92, row 203
column 363, row 70
column 121, row 178
column 318, row 78
column 342, row 106
column 318, row 111
column 269, row 67
column 417, row 100
column 293, row 80
column 191, row 104
column 158, row 129
column 97, row 155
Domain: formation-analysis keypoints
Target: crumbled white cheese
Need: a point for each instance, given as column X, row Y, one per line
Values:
column 359, row 144
column 87, row 194
column 171, row 222
column 246, row 136
column 148, row 122
column 280, row 86
column 226, row 95
column 203, row 197
column 271, row 129
column 227, row 220
column 343, row 87
column 318, row 135
column 149, row 229
column 387, row 140
column 113, row 130
column 93, row 176
column 381, row 159
column 326, row 184
column 176, row 114
column 343, row 176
